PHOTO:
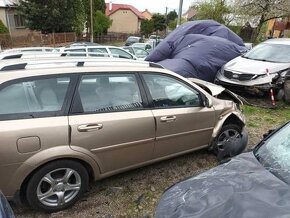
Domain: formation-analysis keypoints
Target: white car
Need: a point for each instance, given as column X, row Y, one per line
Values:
column 30, row 49
column 140, row 53
column 145, row 46
column 262, row 68
column 98, row 51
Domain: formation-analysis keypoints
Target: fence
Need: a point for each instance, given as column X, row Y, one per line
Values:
column 36, row 39
column 57, row 39
column 109, row 37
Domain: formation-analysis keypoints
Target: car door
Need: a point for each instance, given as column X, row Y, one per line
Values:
column 110, row 120
column 182, row 122
column 33, row 116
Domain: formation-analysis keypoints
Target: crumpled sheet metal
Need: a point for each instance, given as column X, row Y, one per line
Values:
column 198, row 49
column 241, row 188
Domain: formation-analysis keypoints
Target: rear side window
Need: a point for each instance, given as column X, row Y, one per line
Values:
column 34, row 96
column 108, row 93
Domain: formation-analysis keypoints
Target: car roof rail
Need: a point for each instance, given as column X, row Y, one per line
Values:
column 31, row 55
column 14, row 67
column 151, row 64
column 12, row 56
column 22, row 64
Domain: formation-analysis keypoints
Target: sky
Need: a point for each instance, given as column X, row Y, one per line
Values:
column 155, row 6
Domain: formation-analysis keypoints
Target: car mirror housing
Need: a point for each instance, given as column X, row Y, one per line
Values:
column 208, row 102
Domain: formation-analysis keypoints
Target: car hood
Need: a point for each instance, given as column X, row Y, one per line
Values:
column 240, row 188
column 244, row 65
column 216, row 90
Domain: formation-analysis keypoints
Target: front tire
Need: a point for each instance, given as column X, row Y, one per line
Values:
column 57, row 185
column 227, row 143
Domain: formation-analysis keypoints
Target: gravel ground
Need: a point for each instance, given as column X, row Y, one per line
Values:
column 136, row 193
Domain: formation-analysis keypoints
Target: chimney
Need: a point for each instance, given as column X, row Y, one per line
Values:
column 110, row 6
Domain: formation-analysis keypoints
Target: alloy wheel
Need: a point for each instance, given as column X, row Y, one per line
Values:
column 59, row 187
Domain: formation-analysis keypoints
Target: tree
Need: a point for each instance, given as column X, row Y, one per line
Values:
column 172, row 24
column 80, row 18
column 101, row 23
column 213, row 10
column 263, row 11
column 3, row 28
column 147, row 27
column 52, row 15
column 172, row 15
column 98, row 5
column 159, row 22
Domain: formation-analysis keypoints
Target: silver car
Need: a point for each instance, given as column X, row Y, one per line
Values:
column 262, row 68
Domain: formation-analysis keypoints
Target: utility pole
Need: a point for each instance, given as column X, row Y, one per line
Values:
column 166, row 21
column 179, row 13
column 92, row 21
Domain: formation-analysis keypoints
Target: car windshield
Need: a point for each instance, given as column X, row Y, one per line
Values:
column 270, row 52
column 140, row 53
column 133, row 39
column 274, row 153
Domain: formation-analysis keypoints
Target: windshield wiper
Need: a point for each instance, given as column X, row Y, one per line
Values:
column 243, row 56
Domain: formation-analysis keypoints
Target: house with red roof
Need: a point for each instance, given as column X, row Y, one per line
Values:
column 12, row 19
column 126, row 18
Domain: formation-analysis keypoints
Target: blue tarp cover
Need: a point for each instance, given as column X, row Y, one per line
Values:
column 198, row 49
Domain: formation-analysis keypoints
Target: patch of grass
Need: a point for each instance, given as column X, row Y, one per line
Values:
column 259, row 116
column 260, row 120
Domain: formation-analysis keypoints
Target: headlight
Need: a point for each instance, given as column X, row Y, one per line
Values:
column 272, row 75
column 283, row 73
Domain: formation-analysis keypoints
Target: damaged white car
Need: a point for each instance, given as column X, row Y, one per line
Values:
column 261, row 69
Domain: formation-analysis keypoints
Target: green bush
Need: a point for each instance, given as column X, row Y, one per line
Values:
column 3, row 28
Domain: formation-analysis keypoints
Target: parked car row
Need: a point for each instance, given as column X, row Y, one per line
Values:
column 81, row 49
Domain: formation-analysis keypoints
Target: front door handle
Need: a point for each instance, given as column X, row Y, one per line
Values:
column 89, row 127
column 168, row 119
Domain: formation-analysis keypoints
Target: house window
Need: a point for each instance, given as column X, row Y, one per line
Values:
column 19, row 21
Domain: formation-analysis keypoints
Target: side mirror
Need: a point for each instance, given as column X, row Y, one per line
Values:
column 208, row 102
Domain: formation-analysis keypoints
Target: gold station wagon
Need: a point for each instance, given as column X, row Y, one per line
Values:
column 66, row 121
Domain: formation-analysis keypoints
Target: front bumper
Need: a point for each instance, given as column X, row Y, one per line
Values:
column 255, row 89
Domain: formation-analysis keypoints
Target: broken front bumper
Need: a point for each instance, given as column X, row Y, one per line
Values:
column 251, row 87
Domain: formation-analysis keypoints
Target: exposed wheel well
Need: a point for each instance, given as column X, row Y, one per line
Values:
column 233, row 119
column 25, row 182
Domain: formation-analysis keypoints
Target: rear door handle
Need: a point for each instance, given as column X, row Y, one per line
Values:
column 89, row 127
column 168, row 119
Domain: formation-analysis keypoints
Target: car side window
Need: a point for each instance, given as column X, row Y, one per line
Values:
column 98, row 52
column 33, row 96
column 120, row 53
column 167, row 92
column 109, row 92
column 76, row 52
column 139, row 52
